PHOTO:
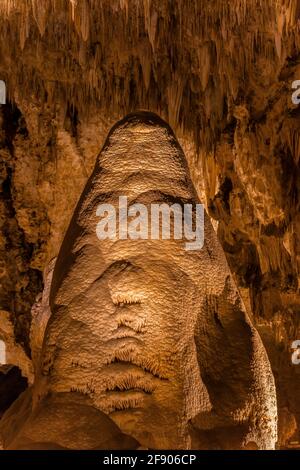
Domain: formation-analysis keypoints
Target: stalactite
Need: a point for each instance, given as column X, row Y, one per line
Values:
column 24, row 29
column 86, row 48
column 85, row 20
column 40, row 15
column 175, row 90
column 73, row 6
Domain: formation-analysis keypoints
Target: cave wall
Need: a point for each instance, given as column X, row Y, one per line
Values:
column 221, row 74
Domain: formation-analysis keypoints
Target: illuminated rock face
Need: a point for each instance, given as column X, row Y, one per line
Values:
column 152, row 335
column 72, row 72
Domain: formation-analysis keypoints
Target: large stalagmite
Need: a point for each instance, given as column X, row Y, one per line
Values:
column 148, row 343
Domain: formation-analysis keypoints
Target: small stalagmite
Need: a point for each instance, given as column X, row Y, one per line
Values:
column 148, row 343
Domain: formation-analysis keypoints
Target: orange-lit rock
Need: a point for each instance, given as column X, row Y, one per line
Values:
column 221, row 74
column 152, row 335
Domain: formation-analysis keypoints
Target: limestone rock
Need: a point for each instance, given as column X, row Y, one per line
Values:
column 150, row 334
column 221, row 73
column 14, row 353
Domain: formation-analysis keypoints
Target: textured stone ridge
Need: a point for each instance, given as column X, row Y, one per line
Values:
column 221, row 73
column 152, row 335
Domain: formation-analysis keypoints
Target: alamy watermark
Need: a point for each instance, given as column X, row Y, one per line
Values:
column 2, row 92
column 160, row 222
column 296, row 353
column 296, row 94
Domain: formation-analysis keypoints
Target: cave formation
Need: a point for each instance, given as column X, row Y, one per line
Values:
column 221, row 75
